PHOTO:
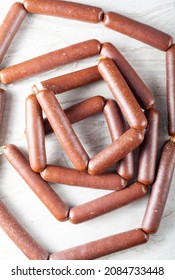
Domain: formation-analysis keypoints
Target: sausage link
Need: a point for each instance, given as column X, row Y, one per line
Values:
column 2, row 104
column 107, row 203
column 142, row 94
column 122, row 94
column 49, row 61
column 116, row 151
column 69, row 176
column 102, row 247
column 65, row 9
column 114, row 119
column 63, row 129
column 148, row 149
column 117, row 127
column 42, row 189
column 160, row 189
column 35, row 134
column 139, row 31
column 20, row 236
column 80, row 111
column 170, row 78
column 10, row 26
column 71, row 80
column 125, row 167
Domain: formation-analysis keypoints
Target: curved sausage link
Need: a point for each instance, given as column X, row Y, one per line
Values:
column 23, row 240
column 139, row 31
column 102, row 247
column 122, row 94
column 65, row 9
column 160, row 189
column 10, row 26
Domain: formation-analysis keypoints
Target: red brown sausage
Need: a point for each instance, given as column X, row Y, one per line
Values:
column 114, row 119
column 117, row 127
column 10, row 26
column 49, row 61
column 20, row 236
column 142, row 94
column 102, row 247
column 63, row 129
column 116, row 151
column 122, row 94
column 69, row 176
column 160, row 189
column 2, row 104
column 80, row 111
column 35, row 134
column 71, row 80
column 65, row 9
column 148, row 149
column 139, row 31
column 42, row 189
column 170, row 78
column 107, row 203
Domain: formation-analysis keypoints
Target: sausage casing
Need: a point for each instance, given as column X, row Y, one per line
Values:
column 160, row 189
column 20, row 236
column 49, row 61
column 35, row 134
column 117, row 127
column 65, row 9
column 139, row 31
column 102, row 247
column 41, row 188
column 170, row 78
column 69, row 176
column 119, row 148
column 10, row 26
column 148, row 149
column 63, row 129
column 122, row 94
column 141, row 92
column 107, row 203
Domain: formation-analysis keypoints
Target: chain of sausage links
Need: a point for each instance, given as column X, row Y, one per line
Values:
column 119, row 75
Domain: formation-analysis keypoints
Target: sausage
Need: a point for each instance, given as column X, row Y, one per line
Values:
column 65, row 9
column 85, row 109
column 20, row 236
column 49, row 61
column 114, row 119
column 117, row 127
column 69, row 176
column 170, row 83
column 139, row 31
column 63, row 129
column 160, row 189
column 116, row 151
column 10, row 26
column 80, row 111
column 102, row 247
column 141, row 92
column 107, row 203
column 35, row 134
column 125, row 167
column 122, row 94
column 71, row 80
column 42, row 189
column 2, row 104
column 148, row 149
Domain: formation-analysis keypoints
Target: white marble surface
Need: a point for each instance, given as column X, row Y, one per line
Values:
column 41, row 34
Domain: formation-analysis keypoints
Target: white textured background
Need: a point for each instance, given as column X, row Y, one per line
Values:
column 41, row 34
